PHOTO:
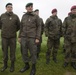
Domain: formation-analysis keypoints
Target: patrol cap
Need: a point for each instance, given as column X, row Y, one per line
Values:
column 29, row 4
column 36, row 10
column 73, row 7
column 8, row 4
column 54, row 10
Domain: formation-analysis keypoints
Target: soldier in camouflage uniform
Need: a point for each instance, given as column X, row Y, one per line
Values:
column 64, row 50
column 53, row 27
column 9, row 25
column 29, row 36
column 69, row 31
column 42, row 29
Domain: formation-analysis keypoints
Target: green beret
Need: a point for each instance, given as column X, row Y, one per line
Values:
column 29, row 4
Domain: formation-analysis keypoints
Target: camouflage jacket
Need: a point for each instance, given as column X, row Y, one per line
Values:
column 53, row 27
column 69, row 28
column 30, row 26
column 9, row 24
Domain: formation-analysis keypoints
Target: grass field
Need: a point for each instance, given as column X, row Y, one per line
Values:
column 42, row 67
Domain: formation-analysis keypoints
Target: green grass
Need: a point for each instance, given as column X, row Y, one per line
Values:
column 42, row 67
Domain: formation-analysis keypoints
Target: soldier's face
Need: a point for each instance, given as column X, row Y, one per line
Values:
column 9, row 8
column 73, row 11
column 55, row 13
column 29, row 9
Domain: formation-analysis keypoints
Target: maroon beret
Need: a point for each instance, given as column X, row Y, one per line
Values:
column 73, row 7
column 54, row 10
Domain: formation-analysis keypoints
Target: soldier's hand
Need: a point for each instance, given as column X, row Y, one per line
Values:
column 19, row 40
column 37, row 41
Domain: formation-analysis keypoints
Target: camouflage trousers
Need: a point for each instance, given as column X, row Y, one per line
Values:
column 28, row 44
column 70, row 54
column 53, row 46
column 9, row 43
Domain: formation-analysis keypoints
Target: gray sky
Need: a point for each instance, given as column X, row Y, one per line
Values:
column 45, row 7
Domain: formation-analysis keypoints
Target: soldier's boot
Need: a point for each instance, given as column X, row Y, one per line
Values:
column 65, row 64
column 47, row 58
column 33, row 70
column 73, row 64
column 4, row 67
column 12, row 67
column 26, row 67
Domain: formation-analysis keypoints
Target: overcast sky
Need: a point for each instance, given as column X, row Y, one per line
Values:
column 45, row 7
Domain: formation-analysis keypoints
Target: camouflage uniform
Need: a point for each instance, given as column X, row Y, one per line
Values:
column 30, row 30
column 9, row 25
column 53, row 27
column 69, row 31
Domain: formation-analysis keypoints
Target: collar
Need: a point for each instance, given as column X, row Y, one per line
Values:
column 9, row 13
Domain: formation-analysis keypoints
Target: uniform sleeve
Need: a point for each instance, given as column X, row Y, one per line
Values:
column 38, row 31
column 18, row 23
column 61, row 28
column 64, row 27
column 46, row 27
column 21, row 27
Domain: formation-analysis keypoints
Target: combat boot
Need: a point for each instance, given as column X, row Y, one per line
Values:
column 12, row 67
column 4, row 67
column 25, row 68
column 33, row 70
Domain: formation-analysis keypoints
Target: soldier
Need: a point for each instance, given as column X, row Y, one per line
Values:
column 69, row 31
column 9, row 25
column 64, row 39
column 29, row 36
column 42, row 29
column 53, row 32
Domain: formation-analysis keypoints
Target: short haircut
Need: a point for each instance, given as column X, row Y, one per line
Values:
column 8, row 4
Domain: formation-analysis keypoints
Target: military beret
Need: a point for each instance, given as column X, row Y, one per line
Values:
column 8, row 4
column 29, row 4
column 36, row 10
column 54, row 10
column 73, row 7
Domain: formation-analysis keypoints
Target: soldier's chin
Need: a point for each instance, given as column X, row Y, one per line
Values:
column 9, row 11
column 30, row 11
